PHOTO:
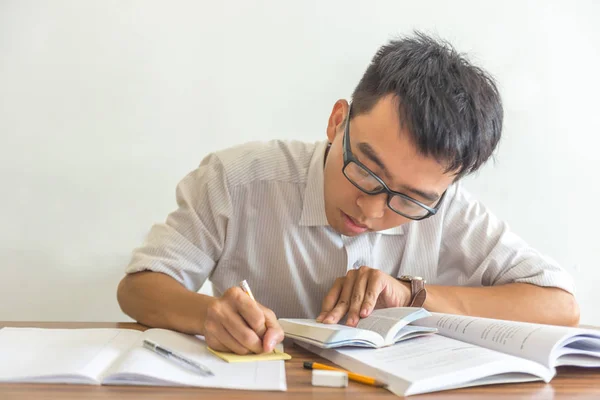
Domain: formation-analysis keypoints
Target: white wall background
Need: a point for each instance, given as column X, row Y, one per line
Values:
column 106, row 105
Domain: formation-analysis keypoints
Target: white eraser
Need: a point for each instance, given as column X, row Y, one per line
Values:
column 329, row 378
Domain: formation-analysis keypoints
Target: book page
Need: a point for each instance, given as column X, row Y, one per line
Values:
column 379, row 324
column 329, row 335
column 388, row 321
column 317, row 330
column 60, row 355
column 531, row 341
column 141, row 366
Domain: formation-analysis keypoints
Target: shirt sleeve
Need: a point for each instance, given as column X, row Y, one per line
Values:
column 189, row 244
column 488, row 252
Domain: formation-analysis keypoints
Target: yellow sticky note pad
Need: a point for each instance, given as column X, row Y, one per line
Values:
column 233, row 358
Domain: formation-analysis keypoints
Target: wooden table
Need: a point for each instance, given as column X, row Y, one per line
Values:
column 570, row 383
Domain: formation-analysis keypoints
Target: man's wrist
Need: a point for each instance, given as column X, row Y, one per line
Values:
column 405, row 300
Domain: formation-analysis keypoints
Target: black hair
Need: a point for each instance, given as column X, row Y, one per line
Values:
column 452, row 108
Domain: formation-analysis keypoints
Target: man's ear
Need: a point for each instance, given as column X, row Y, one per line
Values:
column 336, row 119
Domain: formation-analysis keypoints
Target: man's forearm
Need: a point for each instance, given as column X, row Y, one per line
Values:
column 515, row 301
column 159, row 301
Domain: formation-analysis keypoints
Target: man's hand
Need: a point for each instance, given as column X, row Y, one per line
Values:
column 235, row 322
column 359, row 293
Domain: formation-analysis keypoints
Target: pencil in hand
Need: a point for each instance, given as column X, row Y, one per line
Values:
column 246, row 288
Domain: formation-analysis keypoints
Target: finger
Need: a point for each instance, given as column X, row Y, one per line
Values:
column 274, row 333
column 253, row 314
column 215, row 333
column 224, row 341
column 331, row 298
column 358, row 294
column 214, row 343
column 374, row 288
column 341, row 307
column 241, row 332
column 247, row 308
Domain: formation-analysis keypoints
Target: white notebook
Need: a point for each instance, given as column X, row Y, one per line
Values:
column 117, row 357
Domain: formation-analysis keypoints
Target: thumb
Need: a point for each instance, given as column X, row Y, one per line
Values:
column 274, row 333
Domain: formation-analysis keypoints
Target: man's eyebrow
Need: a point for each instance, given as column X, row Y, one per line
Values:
column 429, row 196
column 371, row 154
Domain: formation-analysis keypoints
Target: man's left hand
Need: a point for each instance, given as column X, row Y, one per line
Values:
column 359, row 293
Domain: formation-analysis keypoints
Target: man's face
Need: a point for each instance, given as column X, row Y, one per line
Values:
column 382, row 145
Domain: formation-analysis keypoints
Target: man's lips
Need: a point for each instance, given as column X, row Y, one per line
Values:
column 355, row 222
column 353, row 225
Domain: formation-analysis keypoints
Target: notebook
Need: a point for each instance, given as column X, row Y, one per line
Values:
column 382, row 328
column 117, row 357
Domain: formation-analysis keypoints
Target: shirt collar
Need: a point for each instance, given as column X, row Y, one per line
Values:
column 398, row 230
column 313, row 208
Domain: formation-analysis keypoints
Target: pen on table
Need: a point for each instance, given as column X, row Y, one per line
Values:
column 178, row 358
column 367, row 380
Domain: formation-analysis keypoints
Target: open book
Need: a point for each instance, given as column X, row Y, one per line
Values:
column 383, row 327
column 117, row 357
column 471, row 351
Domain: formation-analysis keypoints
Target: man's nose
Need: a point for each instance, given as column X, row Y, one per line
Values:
column 372, row 206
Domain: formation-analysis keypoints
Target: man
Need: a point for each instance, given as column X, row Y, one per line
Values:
column 336, row 229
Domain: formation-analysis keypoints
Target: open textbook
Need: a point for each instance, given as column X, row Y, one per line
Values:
column 471, row 351
column 117, row 357
column 383, row 327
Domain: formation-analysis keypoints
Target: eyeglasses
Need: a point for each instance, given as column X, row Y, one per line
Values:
column 365, row 180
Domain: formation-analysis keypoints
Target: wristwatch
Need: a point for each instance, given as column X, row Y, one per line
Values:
column 417, row 290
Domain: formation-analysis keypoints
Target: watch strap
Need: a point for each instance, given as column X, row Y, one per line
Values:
column 418, row 293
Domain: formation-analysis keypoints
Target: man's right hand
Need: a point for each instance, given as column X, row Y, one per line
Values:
column 234, row 322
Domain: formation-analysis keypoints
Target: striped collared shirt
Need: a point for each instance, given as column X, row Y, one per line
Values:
column 257, row 212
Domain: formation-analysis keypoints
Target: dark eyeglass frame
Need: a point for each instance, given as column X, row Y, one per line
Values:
column 350, row 158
